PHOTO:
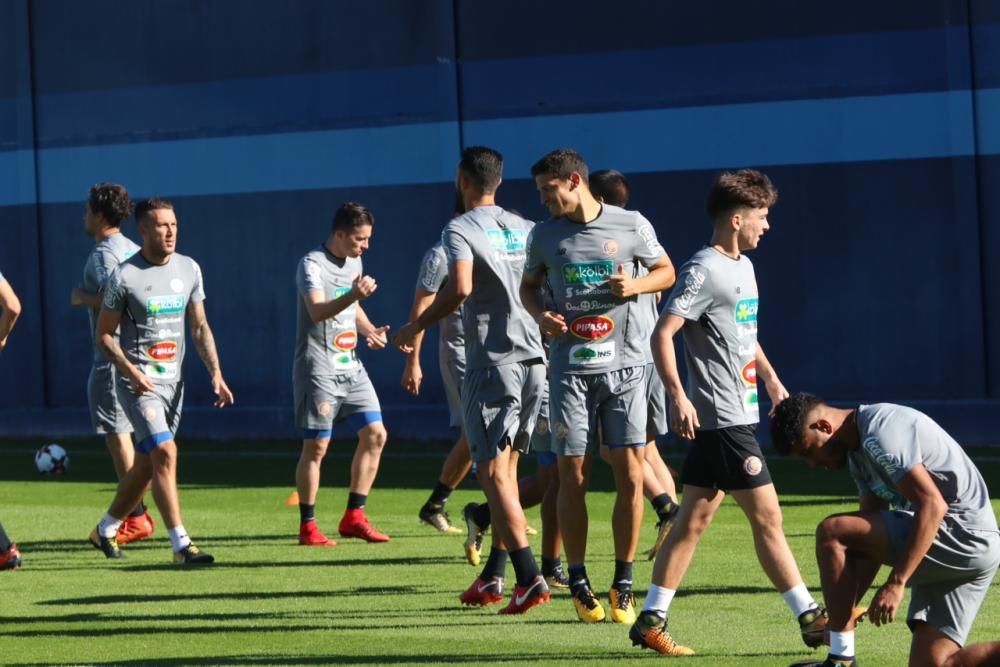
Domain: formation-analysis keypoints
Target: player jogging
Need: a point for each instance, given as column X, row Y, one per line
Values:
column 150, row 295
column 329, row 381
column 588, row 252
column 10, row 310
column 108, row 205
column 924, row 511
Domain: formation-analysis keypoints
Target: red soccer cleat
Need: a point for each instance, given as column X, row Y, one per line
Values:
column 483, row 593
column 526, row 597
column 135, row 528
column 311, row 536
column 10, row 559
column 356, row 524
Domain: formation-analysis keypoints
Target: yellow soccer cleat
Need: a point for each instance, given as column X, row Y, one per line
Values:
column 529, row 531
column 588, row 607
column 650, row 631
column 813, row 624
column 622, row 606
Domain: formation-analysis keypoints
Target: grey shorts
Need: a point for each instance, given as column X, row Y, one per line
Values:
column 952, row 580
column 106, row 412
column 322, row 401
column 452, row 375
column 500, row 404
column 541, row 437
column 616, row 401
column 656, row 415
column 156, row 416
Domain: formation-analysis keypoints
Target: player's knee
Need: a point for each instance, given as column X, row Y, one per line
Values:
column 828, row 534
column 375, row 436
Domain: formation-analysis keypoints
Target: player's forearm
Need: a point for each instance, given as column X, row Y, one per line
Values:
column 113, row 353
column 765, row 371
column 665, row 358
column 421, row 301
column 88, row 299
column 7, row 320
column 445, row 302
column 204, row 343
column 329, row 309
column 531, row 299
column 926, row 521
column 657, row 280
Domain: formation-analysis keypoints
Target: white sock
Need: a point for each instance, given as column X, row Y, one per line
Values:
column 108, row 526
column 842, row 644
column 799, row 600
column 178, row 538
column 658, row 600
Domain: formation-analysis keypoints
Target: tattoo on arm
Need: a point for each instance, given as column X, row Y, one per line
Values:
column 204, row 342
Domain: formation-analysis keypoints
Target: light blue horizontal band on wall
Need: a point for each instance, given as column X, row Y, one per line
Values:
column 855, row 129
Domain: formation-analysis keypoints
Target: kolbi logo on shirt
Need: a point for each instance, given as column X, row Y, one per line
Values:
column 746, row 311
column 340, row 291
column 165, row 351
column 592, row 327
column 165, row 305
column 592, row 354
column 587, row 273
column 507, row 240
column 346, row 340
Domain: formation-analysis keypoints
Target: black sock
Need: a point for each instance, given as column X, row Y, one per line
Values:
column 139, row 510
column 623, row 575
column 481, row 515
column 440, row 494
column 551, row 565
column 578, row 577
column 307, row 512
column 662, row 503
column 495, row 566
column 4, row 540
column 356, row 501
column 525, row 567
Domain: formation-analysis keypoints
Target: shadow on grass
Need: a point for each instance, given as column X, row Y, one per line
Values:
column 348, row 659
column 171, row 567
column 247, row 595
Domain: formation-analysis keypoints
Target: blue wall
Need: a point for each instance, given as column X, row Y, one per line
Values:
column 880, row 124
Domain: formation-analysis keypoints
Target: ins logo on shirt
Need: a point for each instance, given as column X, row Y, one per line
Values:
column 587, row 273
column 746, row 311
column 507, row 240
column 165, row 305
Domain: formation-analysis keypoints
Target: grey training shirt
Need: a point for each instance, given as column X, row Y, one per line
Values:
column 106, row 255
column 433, row 275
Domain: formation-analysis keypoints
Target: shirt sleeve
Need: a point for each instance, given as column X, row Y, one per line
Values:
column 648, row 250
column 533, row 265
column 893, row 449
column 103, row 264
column 433, row 270
column 693, row 294
column 308, row 277
column 198, row 288
column 456, row 246
column 114, row 292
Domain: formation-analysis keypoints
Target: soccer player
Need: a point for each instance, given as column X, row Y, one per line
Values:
column 505, row 368
column 451, row 362
column 588, row 253
column 10, row 310
column 611, row 187
column 107, row 206
column 924, row 511
column 330, row 383
column 149, row 296
column 715, row 307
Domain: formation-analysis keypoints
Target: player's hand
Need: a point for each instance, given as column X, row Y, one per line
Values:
column 404, row 337
column 223, row 396
column 76, row 296
column 377, row 339
column 3, row 344
column 776, row 392
column 622, row 285
column 885, row 603
column 684, row 418
column 552, row 324
column 413, row 375
column 140, row 383
column 363, row 287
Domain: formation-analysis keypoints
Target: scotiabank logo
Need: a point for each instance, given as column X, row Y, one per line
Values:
column 346, row 340
column 165, row 351
column 592, row 327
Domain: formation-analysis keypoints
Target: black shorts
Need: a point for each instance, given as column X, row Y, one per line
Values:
column 728, row 459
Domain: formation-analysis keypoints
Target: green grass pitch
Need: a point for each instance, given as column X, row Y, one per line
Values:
column 270, row 602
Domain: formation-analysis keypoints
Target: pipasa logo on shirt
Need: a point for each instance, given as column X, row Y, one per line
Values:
column 587, row 273
column 749, row 372
column 165, row 305
column 507, row 240
column 346, row 340
column 165, row 351
column 746, row 311
column 592, row 327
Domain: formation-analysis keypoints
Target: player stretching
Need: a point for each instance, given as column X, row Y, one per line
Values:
column 589, row 254
column 924, row 510
column 505, row 367
column 149, row 295
column 107, row 206
column 10, row 310
column 451, row 362
column 330, row 383
column 611, row 187
column 715, row 306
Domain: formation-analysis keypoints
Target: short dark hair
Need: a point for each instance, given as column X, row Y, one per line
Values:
column 483, row 166
column 746, row 188
column 789, row 420
column 111, row 202
column 147, row 206
column 561, row 163
column 611, row 186
column 351, row 215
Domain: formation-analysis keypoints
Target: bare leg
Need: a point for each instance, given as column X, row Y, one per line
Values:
column 308, row 469
column 572, row 506
column 458, row 463
column 132, row 486
column 498, row 477
column 628, row 464
column 164, row 460
column 551, row 536
column 697, row 509
column 760, row 505
column 122, row 452
column 364, row 467
column 656, row 469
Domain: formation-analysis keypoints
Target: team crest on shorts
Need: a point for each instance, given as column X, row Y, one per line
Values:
column 149, row 413
column 324, row 409
column 752, row 466
column 542, row 426
column 561, row 430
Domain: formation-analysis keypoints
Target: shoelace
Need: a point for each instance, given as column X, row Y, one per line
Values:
column 586, row 596
column 624, row 599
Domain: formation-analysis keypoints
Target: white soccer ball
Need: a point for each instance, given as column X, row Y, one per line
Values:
column 51, row 460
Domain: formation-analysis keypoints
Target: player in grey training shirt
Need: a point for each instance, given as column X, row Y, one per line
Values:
column 715, row 307
column 925, row 511
column 589, row 253
column 330, row 384
column 10, row 310
column 505, row 367
column 451, row 361
column 108, row 205
column 150, row 295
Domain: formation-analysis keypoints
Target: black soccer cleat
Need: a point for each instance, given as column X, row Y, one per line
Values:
column 107, row 545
